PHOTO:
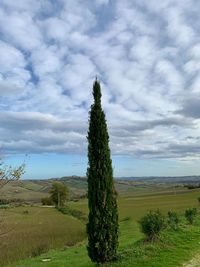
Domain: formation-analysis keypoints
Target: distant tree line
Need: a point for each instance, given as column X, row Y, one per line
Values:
column 192, row 186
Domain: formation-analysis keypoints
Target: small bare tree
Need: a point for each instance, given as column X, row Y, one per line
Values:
column 8, row 174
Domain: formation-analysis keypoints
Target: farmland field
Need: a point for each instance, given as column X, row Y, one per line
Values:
column 135, row 205
column 34, row 230
column 29, row 231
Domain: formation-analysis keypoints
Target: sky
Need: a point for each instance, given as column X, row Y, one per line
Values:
column 146, row 54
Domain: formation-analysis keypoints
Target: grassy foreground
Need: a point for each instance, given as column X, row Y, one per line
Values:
column 173, row 249
column 45, row 228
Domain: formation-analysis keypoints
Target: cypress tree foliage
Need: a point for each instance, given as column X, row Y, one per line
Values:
column 102, row 228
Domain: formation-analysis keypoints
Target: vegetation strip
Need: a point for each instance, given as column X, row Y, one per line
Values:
column 173, row 249
column 74, row 213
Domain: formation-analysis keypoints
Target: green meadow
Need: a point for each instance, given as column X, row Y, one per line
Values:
column 42, row 236
column 136, row 205
column 173, row 249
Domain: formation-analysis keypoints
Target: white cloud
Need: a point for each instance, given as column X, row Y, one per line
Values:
column 10, row 57
column 20, row 29
column 56, row 29
column 102, row 2
column 145, row 53
column 46, row 60
column 168, row 73
column 182, row 33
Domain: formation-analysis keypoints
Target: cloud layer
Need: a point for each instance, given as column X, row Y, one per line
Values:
column 145, row 53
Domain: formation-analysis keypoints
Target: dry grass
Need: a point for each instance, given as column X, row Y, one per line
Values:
column 33, row 230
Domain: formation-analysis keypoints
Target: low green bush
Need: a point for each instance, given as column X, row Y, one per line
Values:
column 4, row 201
column 173, row 220
column 152, row 224
column 25, row 212
column 47, row 201
column 75, row 213
column 4, row 207
column 190, row 214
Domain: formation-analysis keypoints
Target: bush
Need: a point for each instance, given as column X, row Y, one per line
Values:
column 47, row 201
column 75, row 213
column 4, row 201
column 190, row 214
column 192, row 186
column 152, row 224
column 4, row 207
column 173, row 220
column 199, row 200
column 25, row 212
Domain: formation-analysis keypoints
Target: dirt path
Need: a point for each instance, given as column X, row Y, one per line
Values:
column 195, row 262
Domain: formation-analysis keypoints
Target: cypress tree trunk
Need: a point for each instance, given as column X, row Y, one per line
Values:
column 102, row 228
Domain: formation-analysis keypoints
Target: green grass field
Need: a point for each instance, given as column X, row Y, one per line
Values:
column 43, row 228
column 135, row 206
column 173, row 249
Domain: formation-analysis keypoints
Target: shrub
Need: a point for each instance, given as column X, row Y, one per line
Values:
column 25, row 212
column 75, row 213
column 190, row 214
column 47, row 201
column 4, row 201
column 173, row 219
column 4, row 207
column 199, row 200
column 152, row 224
column 192, row 186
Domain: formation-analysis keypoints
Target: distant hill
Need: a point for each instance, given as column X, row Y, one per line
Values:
column 165, row 179
column 33, row 190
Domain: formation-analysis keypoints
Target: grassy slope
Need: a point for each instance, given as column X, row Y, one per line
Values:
column 173, row 249
column 132, row 207
column 26, row 190
column 34, row 190
column 32, row 230
column 136, row 206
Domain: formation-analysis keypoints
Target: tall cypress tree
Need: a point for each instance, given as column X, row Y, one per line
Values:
column 102, row 228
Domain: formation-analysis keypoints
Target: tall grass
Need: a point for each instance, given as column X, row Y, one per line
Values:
column 171, row 250
column 34, row 230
